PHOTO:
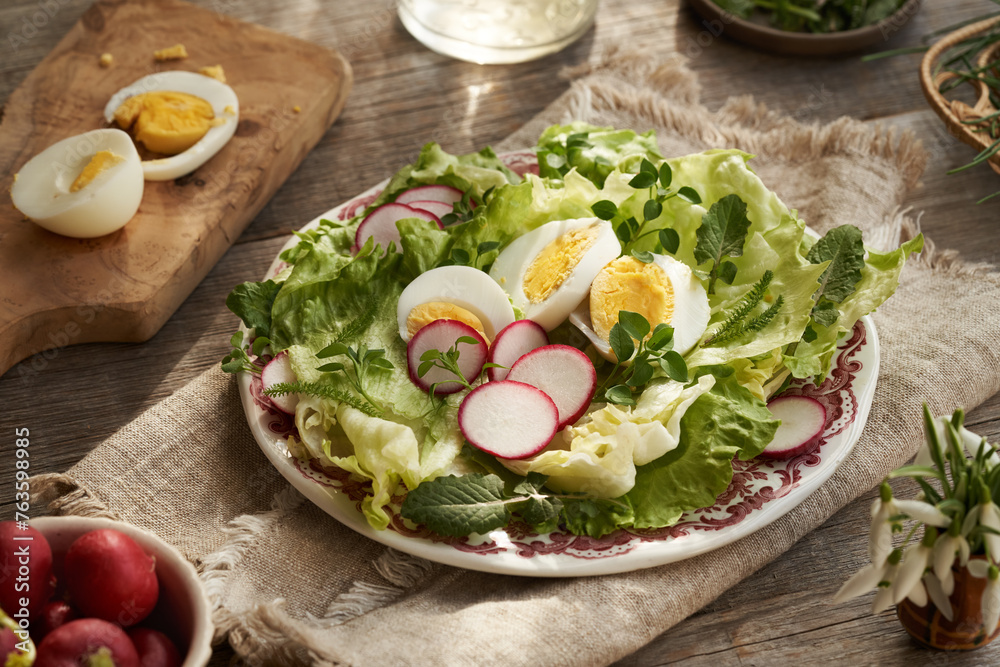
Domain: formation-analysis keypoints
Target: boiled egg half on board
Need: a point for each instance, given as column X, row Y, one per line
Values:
column 453, row 293
column 183, row 116
column 85, row 186
column 664, row 291
column 548, row 271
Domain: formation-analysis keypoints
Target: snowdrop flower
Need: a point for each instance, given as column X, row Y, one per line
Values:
column 982, row 569
column 989, row 517
column 935, row 591
column 864, row 580
column 916, row 560
column 969, row 440
column 886, row 587
column 885, row 508
column 946, row 548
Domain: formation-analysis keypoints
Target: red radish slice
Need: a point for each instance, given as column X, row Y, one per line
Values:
column 513, row 342
column 442, row 193
column 564, row 373
column 437, row 208
column 276, row 371
column 380, row 224
column 802, row 422
column 441, row 335
column 510, row 420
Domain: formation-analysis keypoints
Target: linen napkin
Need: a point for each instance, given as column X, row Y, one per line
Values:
column 291, row 585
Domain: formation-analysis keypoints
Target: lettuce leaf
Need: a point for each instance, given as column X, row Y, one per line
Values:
column 594, row 152
column 724, row 423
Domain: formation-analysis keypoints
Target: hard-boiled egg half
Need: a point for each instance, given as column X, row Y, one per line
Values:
column 84, row 186
column 454, row 293
column 548, row 271
column 664, row 291
column 186, row 116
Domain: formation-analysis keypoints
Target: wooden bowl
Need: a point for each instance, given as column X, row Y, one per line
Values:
column 182, row 612
column 787, row 43
column 954, row 112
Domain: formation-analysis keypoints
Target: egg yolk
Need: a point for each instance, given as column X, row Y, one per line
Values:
column 165, row 121
column 214, row 71
column 628, row 284
column 175, row 52
column 556, row 262
column 426, row 313
column 101, row 161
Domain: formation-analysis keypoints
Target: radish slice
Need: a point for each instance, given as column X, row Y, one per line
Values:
column 510, row 420
column 441, row 193
column 276, row 371
column 802, row 422
column 436, row 208
column 564, row 373
column 513, row 342
column 441, row 335
column 380, row 224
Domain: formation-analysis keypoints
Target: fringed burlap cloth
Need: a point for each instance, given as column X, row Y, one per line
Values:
column 291, row 584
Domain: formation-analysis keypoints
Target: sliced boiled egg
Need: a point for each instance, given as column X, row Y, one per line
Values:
column 547, row 272
column 454, row 293
column 84, row 186
column 664, row 291
column 188, row 117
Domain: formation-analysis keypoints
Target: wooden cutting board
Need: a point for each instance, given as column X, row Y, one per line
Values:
column 57, row 291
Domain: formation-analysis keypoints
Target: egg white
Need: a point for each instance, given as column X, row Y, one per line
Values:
column 41, row 189
column 511, row 265
column 462, row 286
column 225, row 105
column 689, row 318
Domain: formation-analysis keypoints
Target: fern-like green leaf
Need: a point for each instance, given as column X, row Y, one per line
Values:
column 323, row 391
column 750, row 326
column 743, row 308
column 360, row 324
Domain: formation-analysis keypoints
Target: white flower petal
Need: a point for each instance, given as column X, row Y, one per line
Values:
column 944, row 555
column 923, row 512
column 918, row 595
column 938, row 596
column 948, row 583
column 971, row 519
column 882, row 601
column 923, row 457
column 963, row 551
column 991, row 605
column 876, row 507
column 880, row 542
column 910, row 572
column 978, row 568
column 863, row 581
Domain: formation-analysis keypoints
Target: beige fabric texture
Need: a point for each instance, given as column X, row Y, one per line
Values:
column 291, row 585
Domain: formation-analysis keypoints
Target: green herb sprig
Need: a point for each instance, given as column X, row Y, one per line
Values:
column 238, row 360
column 629, row 230
column 628, row 341
column 722, row 234
column 363, row 362
column 323, row 391
column 739, row 323
column 448, row 360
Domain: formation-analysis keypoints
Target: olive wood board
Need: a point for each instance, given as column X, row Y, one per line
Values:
column 56, row 291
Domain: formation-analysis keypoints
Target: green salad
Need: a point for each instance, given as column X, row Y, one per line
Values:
column 585, row 349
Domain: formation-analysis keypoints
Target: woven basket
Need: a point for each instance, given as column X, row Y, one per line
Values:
column 954, row 112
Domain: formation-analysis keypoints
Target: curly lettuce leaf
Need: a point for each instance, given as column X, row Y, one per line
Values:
column 726, row 422
column 594, row 152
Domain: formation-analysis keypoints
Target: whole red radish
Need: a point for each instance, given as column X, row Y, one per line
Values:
column 88, row 641
column 56, row 614
column 154, row 648
column 26, row 580
column 110, row 577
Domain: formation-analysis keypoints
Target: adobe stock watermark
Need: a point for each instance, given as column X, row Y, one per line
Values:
column 713, row 29
column 897, row 21
column 33, row 21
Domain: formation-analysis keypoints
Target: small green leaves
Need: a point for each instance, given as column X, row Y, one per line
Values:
column 647, row 176
column 447, row 360
column 690, row 195
column 362, row 363
column 666, row 175
column 722, row 233
column 604, row 209
column 843, row 248
column 238, row 361
column 643, row 256
column 460, row 257
column 629, row 337
column 727, row 272
column 651, row 210
column 670, row 240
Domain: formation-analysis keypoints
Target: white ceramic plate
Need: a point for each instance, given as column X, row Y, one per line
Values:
column 761, row 490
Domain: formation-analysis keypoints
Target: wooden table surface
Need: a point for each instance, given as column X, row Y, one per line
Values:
column 72, row 398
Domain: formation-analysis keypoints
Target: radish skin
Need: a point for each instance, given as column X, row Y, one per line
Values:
column 441, row 335
column 440, row 193
column 803, row 420
column 564, row 373
column 380, row 225
column 513, row 342
column 510, row 420
column 277, row 371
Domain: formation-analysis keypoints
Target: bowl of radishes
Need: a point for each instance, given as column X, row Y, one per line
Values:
column 104, row 591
